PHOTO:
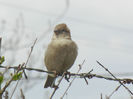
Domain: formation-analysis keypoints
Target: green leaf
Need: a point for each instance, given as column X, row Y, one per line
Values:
column 2, row 59
column 17, row 76
column 1, row 79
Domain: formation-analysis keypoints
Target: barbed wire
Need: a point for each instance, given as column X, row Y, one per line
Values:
column 80, row 75
column 85, row 76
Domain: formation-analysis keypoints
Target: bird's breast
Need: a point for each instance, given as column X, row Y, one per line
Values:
column 60, row 55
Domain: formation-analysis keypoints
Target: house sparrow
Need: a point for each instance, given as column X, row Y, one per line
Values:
column 60, row 54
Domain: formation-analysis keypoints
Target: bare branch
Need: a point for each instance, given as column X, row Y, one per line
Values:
column 116, row 89
column 22, row 94
column 25, row 65
column 9, row 82
column 115, row 78
column 57, row 86
column 80, row 67
column 30, row 52
column 29, row 57
column 14, row 89
column 6, row 95
column 101, row 96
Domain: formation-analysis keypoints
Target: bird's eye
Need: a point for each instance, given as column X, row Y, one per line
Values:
column 60, row 31
column 56, row 31
column 63, row 30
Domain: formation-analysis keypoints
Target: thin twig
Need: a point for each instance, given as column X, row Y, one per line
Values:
column 57, row 86
column 6, row 94
column 67, row 2
column 22, row 94
column 115, row 78
column 106, row 97
column 9, row 82
column 29, row 57
column 14, row 89
column 30, row 52
column 24, row 65
column 101, row 96
column 6, row 69
column 116, row 89
column 80, row 67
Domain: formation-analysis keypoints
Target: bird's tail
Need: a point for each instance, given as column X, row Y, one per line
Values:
column 49, row 82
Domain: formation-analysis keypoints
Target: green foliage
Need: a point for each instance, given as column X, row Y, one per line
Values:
column 17, row 76
column 1, row 79
column 2, row 59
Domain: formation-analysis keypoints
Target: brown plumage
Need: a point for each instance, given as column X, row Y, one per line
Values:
column 60, row 54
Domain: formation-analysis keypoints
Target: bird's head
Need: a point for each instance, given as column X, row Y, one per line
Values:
column 62, row 31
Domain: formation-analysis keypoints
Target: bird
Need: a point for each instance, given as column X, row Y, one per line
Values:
column 60, row 54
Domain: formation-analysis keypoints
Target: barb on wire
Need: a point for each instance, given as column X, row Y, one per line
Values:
column 115, row 78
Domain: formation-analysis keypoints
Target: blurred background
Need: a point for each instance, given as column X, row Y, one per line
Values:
column 102, row 29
